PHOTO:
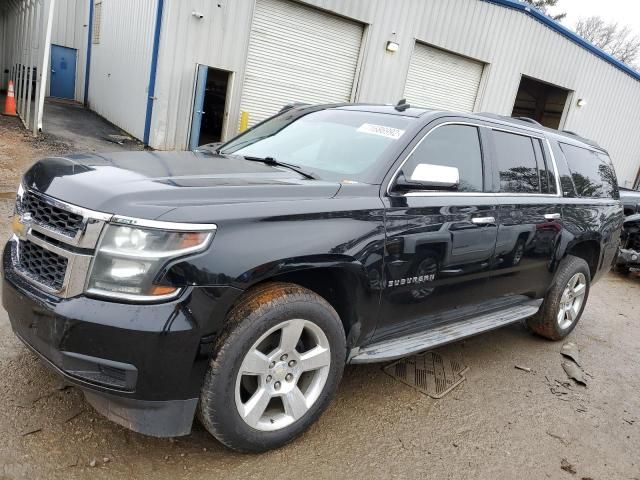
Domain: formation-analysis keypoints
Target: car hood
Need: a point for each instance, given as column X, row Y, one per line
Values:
column 149, row 184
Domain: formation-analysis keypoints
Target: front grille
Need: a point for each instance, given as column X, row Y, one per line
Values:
column 50, row 216
column 42, row 265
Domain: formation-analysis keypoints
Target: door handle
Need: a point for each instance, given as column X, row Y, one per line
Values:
column 483, row 220
column 552, row 216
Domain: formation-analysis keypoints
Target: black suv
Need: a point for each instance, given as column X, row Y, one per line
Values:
column 234, row 283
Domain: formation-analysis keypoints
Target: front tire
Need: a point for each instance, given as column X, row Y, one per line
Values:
column 565, row 301
column 277, row 367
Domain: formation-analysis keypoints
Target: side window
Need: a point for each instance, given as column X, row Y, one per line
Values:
column 452, row 146
column 609, row 175
column 592, row 173
column 516, row 163
column 547, row 175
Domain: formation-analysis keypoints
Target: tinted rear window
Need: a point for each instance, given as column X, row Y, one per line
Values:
column 516, row 161
column 592, row 172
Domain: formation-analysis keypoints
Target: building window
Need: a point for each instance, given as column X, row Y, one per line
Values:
column 97, row 20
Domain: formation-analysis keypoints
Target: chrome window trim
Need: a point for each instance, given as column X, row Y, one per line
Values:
column 437, row 193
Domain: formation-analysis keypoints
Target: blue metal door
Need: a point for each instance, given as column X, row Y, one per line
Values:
column 198, row 105
column 63, row 72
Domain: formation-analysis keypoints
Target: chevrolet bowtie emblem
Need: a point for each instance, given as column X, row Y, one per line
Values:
column 21, row 224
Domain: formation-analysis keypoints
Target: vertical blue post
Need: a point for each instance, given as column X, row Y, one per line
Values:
column 152, row 75
column 87, row 71
column 196, row 120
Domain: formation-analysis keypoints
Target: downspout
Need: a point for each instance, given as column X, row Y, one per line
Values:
column 87, row 71
column 152, row 75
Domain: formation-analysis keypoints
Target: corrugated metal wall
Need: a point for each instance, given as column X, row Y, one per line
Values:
column 3, row 43
column 508, row 41
column 219, row 40
column 121, row 62
column 70, row 24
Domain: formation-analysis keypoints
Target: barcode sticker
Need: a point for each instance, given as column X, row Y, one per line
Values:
column 381, row 130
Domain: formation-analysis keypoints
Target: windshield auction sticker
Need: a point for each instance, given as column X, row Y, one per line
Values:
column 381, row 130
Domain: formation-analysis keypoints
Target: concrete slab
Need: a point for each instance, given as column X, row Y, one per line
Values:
column 84, row 130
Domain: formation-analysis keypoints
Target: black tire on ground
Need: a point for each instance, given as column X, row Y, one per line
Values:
column 260, row 310
column 545, row 323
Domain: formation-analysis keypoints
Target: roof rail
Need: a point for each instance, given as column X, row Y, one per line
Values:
column 528, row 120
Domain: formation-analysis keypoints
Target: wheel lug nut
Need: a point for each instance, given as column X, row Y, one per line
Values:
column 276, row 385
column 272, row 364
column 292, row 363
column 284, row 357
column 289, row 377
column 269, row 378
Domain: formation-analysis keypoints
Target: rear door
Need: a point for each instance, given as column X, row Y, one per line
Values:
column 529, row 212
column 440, row 245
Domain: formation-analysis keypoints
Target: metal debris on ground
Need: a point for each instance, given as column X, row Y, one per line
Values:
column 570, row 350
column 567, row 467
column 433, row 373
column 559, row 389
column 30, row 430
column 574, row 372
column 119, row 139
column 524, row 369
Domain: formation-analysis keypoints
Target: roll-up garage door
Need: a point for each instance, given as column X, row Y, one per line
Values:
column 442, row 80
column 298, row 54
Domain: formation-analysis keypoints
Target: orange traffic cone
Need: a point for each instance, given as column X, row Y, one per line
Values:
column 10, row 104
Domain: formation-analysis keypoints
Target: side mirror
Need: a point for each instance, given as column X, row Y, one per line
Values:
column 427, row 176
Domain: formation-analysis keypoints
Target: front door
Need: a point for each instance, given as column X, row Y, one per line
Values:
column 209, row 106
column 63, row 72
column 440, row 245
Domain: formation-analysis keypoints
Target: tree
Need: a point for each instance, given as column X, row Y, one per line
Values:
column 616, row 40
column 544, row 5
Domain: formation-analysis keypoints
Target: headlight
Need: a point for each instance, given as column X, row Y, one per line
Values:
column 133, row 252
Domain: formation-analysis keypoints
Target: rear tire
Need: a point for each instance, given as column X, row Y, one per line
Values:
column 565, row 301
column 277, row 367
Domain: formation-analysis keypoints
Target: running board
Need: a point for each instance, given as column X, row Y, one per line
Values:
column 441, row 335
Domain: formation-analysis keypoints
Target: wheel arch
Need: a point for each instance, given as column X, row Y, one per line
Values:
column 343, row 283
column 589, row 250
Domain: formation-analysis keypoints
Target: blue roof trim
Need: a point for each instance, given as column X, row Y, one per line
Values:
column 564, row 31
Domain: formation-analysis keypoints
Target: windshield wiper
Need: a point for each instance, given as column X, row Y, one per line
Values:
column 273, row 162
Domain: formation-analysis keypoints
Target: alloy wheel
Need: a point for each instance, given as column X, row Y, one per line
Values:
column 572, row 300
column 282, row 375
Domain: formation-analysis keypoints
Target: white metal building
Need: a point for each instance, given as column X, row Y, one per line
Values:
column 176, row 73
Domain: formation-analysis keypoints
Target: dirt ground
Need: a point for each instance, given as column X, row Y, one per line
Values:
column 501, row 422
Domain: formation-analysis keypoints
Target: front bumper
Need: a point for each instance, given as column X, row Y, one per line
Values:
column 141, row 366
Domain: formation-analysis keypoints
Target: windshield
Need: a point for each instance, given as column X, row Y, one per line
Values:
column 332, row 144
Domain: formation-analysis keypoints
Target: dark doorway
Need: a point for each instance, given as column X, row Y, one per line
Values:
column 543, row 102
column 209, row 109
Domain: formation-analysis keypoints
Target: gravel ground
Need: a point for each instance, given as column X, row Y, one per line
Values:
column 501, row 422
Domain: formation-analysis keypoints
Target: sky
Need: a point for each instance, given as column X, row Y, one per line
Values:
column 625, row 12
